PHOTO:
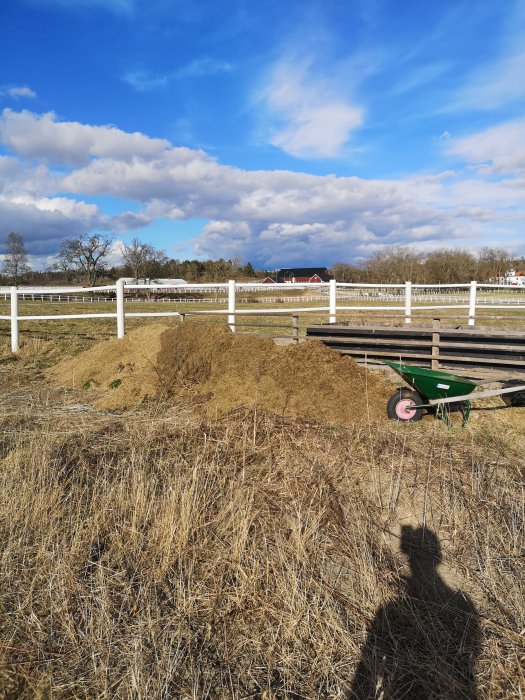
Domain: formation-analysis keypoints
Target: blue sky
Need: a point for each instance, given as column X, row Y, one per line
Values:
column 281, row 133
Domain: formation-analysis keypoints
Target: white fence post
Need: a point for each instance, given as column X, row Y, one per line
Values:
column 408, row 302
column 333, row 301
column 231, row 304
column 14, row 319
column 472, row 303
column 121, row 319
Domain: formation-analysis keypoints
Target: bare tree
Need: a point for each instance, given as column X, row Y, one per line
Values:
column 142, row 259
column 450, row 265
column 63, row 265
column 155, row 263
column 16, row 258
column 394, row 265
column 344, row 272
column 86, row 253
column 493, row 263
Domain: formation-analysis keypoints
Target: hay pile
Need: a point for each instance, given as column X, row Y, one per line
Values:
column 224, row 372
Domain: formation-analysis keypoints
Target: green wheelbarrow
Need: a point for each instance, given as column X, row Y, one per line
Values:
column 442, row 392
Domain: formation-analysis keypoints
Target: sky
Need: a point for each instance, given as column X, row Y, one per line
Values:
column 304, row 132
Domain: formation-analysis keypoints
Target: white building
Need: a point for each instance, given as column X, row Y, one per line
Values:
column 515, row 278
column 170, row 282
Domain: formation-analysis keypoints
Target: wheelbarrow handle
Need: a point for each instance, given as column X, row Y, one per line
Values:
column 477, row 395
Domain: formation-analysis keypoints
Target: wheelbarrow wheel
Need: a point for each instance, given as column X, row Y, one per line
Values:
column 402, row 405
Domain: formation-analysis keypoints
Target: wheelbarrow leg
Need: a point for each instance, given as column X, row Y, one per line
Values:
column 466, row 413
column 442, row 414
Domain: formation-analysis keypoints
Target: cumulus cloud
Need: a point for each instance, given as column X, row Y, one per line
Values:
column 270, row 217
column 17, row 177
column 44, row 222
column 281, row 243
column 311, row 116
column 17, row 92
column 71, row 143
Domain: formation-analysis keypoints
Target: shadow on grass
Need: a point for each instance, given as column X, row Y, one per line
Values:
column 423, row 644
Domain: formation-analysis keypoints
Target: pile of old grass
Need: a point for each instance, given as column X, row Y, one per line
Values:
column 223, row 372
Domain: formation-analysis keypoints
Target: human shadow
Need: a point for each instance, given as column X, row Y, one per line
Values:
column 424, row 644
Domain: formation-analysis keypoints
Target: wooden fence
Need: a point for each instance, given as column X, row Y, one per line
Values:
column 434, row 346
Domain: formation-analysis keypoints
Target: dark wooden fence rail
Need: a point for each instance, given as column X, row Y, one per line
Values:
column 432, row 346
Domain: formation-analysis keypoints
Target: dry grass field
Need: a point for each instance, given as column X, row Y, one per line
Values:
column 161, row 551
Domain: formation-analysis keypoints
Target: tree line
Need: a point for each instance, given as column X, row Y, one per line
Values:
column 398, row 264
column 85, row 260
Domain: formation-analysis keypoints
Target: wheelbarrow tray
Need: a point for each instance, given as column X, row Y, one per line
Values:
column 432, row 384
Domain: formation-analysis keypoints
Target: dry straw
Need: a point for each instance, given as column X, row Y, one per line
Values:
column 161, row 553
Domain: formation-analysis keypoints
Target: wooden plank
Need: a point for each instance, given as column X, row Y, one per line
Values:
column 452, row 332
column 494, row 350
column 372, row 341
column 483, row 346
column 381, row 353
column 406, row 347
column 511, row 362
column 483, row 360
column 423, row 343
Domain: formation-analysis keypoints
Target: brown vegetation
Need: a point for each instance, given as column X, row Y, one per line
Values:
column 397, row 264
column 223, row 371
column 158, row 553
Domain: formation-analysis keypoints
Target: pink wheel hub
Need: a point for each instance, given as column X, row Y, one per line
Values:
column 405, row 409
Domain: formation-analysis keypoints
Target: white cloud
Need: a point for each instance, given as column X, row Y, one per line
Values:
column 17, row 177
column 17, row 92
column 142, row 80
column 503, row 146
column 114, row 256
column 271, row 217
column 44, row 222
column 310, row 115
column 71, row 143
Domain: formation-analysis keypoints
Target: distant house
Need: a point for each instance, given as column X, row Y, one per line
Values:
column 268, row 280
column 297, row 275
column 513, row 277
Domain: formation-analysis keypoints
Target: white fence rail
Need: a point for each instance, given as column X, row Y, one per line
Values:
column 404, row 298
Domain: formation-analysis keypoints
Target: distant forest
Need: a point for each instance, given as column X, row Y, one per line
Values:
column 84, row 261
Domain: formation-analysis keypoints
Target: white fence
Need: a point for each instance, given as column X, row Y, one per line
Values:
column 408, row 298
